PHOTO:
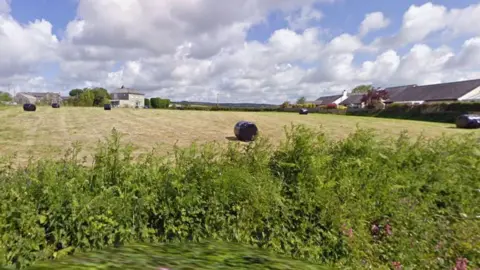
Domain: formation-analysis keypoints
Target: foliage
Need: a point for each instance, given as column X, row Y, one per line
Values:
column 89, row 97
column 75, row 92
column 158, row 103
column 206, row 255
column 5, row 97
column 147, row 102
column 285, row 104
column 362, row 89
column 358, row 203
column 372, row 97
column 301, row 100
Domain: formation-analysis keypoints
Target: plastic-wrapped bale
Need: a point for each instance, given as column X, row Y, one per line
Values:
column 55, row 105
column 468, row 121
column 107, row 107
column 245, row 131
column 303, row 111
column 29, row 107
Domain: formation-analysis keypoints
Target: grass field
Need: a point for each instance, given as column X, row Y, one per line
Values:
column 47, row 132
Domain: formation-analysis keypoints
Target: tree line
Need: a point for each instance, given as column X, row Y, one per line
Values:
column 88, row 97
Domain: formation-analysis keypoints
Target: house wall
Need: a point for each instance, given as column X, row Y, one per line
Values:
column 24, row 99
column 132, row 101
column 413, row 102
column 472, row 95
column 343, row 98
column 137, row 100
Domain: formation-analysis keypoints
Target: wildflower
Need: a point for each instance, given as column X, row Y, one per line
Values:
column 388, row 229
column 397, row 265
column 461, row 264
column 375, row 229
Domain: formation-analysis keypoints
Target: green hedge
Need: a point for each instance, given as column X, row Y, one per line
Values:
column 358, row 203
column 442, row 112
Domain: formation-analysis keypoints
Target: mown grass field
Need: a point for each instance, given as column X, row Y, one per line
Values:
column 47, row 132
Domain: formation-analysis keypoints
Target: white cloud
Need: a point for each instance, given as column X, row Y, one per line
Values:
column 306, row 16
column 373, row 21
column 4, row 7
column 194, row 49
column 23, row 46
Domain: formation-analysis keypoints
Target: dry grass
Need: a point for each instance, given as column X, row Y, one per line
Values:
column 48, row 132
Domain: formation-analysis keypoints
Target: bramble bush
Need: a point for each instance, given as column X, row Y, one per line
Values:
column 358, row 203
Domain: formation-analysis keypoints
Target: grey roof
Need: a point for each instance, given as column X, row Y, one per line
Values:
column 127, row 91
column 326, row 100
column 31, row 99
column 40, row 94
column 435, row 92
column 353, row 98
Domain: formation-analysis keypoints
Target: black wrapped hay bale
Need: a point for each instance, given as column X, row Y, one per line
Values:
column 29, row 107
column 245, row 131
column 468, row 121
column 303, row 111
column 55, row 105
column 107, row 107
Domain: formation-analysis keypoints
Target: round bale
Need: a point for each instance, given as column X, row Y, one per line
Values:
column 468, row 121
column 55, row 105
column 28, row 107
column 245, row 131
column 107, row 107
column 303, row 111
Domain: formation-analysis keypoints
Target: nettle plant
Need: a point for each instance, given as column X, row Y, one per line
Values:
column 356, row 203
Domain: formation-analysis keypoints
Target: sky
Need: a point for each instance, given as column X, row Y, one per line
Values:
column 262, row 51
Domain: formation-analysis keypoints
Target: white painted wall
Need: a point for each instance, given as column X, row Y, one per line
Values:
column 472, row 95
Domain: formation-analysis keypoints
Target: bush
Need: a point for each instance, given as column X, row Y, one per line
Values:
column 359, row 203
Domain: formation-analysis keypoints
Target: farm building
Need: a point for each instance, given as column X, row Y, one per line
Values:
column 127, row 98
column 37, row 97
column 418, row 94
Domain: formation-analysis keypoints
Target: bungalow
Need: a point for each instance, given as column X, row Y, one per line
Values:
column 418, row 94
column 442, row 92
column 336, row 99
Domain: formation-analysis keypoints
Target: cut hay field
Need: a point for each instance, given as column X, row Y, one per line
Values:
column 48, row 132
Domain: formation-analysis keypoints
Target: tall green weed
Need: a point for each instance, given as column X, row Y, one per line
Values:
column 358, row 203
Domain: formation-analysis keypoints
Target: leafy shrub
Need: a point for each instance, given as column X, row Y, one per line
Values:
column 332, row 106
column 358, row 203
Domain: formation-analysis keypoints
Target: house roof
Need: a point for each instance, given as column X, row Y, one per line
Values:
column 124, row 90
column 30, row 98
column 40, row 94
column 326, row 100
column 434, row 92
column 353, row 98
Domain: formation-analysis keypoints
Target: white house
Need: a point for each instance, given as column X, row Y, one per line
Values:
column 336, row 99
column 127, row 98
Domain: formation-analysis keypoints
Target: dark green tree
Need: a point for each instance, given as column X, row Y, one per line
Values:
column 75, row 92
column 301, row 100
column 362, row 89
column 147, row 102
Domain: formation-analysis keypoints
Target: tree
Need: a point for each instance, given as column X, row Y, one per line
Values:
column 285, row 104
column 362, row 89
column 5, row 97
column 147, row 102
column 301, row 100
column 375, row 98
column 75, row 92
column 101, row 96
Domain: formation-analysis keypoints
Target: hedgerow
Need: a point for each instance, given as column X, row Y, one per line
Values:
column 358, row 203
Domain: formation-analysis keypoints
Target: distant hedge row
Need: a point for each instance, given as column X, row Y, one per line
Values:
column 439, row 112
